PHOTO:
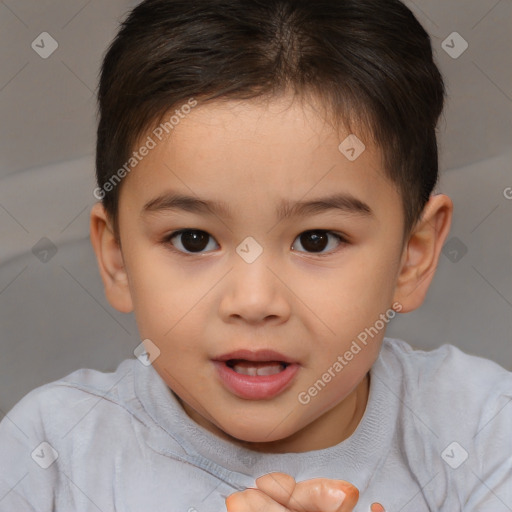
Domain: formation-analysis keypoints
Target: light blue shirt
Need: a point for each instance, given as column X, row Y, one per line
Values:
column 436, row 436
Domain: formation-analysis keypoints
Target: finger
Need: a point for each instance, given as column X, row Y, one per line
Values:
column 332, row 494
column 279, row 486
column 252, row 500
column 377, row 507
column 324, row 494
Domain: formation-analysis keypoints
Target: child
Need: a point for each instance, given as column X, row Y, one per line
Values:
column 266, row 172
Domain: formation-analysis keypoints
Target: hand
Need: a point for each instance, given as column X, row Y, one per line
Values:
column 278, row 492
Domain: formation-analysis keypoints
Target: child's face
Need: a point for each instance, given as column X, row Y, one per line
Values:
column 307, row 297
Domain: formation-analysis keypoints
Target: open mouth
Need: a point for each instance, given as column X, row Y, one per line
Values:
column 261, row 379
column 256, row 368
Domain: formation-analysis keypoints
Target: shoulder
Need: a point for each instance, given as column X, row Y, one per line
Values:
column 56, row 427
column 450, row 385
column 54, row 406
column 446, row 366
column 455, row 414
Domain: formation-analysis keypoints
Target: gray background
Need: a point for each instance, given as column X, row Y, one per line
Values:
column 53, row 314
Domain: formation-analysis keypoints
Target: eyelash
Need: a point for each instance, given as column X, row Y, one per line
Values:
column 341, row 239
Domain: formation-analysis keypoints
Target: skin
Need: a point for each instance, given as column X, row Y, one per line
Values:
column 251, row 155
column 278, row 492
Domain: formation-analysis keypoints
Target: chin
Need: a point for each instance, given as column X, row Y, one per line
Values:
column 257, row 434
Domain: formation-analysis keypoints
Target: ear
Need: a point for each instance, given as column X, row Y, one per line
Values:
column 421, row 252
column 110, row 260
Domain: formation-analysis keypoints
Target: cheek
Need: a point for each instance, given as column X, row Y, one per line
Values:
column 168, row 301
column 356, row 293
column 325, row 389
column 351, row 304
column 373, row 275
column 156, row 288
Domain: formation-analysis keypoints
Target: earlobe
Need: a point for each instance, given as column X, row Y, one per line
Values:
column 110, row 260
column 422, row 251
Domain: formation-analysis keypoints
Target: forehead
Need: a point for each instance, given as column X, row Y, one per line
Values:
column 253, row 151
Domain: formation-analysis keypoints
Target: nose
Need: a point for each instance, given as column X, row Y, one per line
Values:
column 253, row 293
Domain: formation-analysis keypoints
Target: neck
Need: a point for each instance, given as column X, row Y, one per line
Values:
column 330, row 429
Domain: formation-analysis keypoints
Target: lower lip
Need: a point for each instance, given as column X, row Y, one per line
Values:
column 255, row 387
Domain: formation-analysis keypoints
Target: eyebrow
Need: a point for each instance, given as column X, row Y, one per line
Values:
column 344, row 202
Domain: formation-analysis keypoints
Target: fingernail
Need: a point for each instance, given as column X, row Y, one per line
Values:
column 337, row 497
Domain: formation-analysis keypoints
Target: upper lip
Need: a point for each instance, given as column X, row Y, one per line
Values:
column 255, row 355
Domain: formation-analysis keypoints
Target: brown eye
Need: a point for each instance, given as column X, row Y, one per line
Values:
column 316, row 241
column 190, row 240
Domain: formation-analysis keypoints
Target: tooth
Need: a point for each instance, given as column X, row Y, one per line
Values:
column 245, row 370
column 270, row 369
